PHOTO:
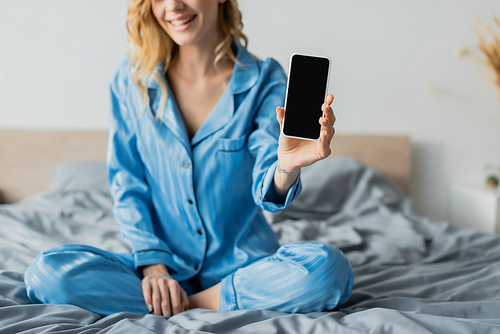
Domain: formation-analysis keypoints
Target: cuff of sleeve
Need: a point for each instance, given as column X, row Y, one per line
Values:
column 155, row 256
column 227, row 295
column 269, row 202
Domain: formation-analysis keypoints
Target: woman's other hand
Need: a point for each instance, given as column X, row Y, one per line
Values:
column 296, row 153
column 162, row 293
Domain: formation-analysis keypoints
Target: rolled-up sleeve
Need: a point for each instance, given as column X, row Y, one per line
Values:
column 263, row 143
column 132, row 204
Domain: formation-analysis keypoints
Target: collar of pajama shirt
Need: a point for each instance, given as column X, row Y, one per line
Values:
column 195, row 205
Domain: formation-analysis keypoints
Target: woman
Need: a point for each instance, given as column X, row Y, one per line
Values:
column 194, row 155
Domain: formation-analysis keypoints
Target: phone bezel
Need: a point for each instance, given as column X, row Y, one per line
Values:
column 288, row 82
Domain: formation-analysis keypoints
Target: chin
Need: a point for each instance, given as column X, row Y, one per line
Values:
column 183, row 40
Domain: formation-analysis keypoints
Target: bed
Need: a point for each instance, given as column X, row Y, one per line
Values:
column 412, row 273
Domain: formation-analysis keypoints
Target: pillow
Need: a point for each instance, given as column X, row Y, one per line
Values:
column 83, row 174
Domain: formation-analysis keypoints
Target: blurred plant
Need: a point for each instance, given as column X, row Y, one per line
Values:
column 487, row 54
column 489, row 46
column 492, row 173
column 492, row 181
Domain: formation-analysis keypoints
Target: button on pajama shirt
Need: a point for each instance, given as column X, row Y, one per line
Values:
column 196, row 205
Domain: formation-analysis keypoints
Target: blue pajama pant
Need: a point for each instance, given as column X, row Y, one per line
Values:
column 298, row 278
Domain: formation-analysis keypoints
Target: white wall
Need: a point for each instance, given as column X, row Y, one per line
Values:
column 57, row 57
column 56, row 60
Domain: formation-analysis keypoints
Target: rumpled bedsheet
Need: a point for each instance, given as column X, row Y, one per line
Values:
column 412, row 274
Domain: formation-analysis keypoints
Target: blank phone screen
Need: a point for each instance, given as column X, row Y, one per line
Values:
column 307, row 83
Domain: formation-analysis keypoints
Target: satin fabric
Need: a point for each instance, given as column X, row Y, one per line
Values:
column 195, row 205
column 298, row 278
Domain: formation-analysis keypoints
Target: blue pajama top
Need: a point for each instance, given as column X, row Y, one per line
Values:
column 195, row 205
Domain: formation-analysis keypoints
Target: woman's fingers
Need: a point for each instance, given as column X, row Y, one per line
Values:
column 302, row 152
column 156, row 296
column 327, row 132
column 324, row 145
column 328, row 127
column 175, row 296
column 327, row 110
column 328, row 113
column 280, row 114
column 147, row 292
column 329, row 98
column 165, row 296
column 331, row 134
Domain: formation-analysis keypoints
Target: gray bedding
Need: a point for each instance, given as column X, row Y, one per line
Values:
column 412, row 274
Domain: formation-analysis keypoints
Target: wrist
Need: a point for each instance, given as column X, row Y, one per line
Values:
column 287, row 166
column 285, row 169
column 284, row 177
column 159, row 268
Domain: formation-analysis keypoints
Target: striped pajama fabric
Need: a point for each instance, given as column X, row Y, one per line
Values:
column 298, row 278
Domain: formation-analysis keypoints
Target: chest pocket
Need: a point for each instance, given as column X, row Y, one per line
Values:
column 234, row 160
column 234, row 167
column 232, row 145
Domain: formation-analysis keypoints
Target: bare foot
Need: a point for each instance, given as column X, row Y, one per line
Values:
column 208, row 298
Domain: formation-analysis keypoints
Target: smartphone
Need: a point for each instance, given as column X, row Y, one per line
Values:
column 305, row 94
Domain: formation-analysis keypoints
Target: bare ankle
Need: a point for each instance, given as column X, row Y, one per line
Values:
column 208, row 298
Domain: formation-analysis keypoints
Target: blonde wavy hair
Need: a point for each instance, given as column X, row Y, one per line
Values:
column 151, row 45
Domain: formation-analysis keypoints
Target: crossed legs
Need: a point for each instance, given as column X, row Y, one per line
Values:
column 298, row 278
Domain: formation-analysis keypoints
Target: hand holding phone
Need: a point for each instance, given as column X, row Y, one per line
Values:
column 307, row 123
column 305, row 94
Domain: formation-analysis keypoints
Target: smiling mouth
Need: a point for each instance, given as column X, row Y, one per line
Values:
column 177, row 23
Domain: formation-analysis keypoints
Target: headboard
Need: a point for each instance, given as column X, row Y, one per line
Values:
column 26, row 155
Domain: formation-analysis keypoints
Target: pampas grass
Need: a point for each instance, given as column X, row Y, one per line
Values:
column 489, row 45
column 487, row 54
